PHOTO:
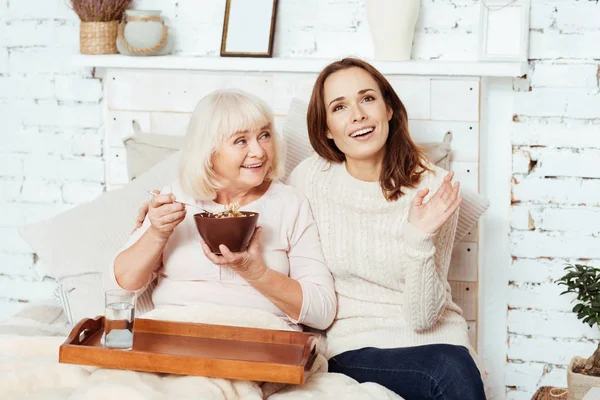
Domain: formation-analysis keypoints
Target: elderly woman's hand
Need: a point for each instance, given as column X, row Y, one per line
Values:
column 248, row 264
column 143, row 211
column 431, row 215
column 165, row 214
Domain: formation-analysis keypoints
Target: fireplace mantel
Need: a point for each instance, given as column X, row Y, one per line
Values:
column 300, row 65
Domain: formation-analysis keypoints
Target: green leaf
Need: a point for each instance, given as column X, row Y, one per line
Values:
column 577, row 308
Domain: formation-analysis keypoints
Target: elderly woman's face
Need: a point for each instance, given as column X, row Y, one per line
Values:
column 245, row 158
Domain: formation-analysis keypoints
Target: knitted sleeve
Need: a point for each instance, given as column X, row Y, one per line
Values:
column 428, row 259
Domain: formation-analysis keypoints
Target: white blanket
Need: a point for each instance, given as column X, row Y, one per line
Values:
column 29, row 369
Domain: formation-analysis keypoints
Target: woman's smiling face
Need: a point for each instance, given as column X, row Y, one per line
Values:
column 245, row 158
column 357, row 115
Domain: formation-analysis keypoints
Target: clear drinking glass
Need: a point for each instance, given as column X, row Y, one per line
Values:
column 119, row 314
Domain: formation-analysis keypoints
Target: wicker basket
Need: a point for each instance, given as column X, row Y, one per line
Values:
column 98, row 37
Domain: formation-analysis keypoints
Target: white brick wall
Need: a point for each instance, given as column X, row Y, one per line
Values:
column 555, row 216
column 51, row 153
column 52, row 157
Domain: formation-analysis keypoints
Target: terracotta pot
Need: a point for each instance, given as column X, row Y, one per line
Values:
column 235, row 232
column 579, row 384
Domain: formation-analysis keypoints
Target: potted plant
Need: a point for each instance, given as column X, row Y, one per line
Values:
column 99, row 24
column 584, row 281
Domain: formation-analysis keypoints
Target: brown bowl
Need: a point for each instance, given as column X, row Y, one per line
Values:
column 234, row 232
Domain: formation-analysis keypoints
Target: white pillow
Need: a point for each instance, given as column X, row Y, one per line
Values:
column 77, row 246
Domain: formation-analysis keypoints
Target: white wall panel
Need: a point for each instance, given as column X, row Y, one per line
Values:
column 465, row 137
column 467, row 174
column 172, row 123
column 463, row 265
column 455, row 100
column 415, row 94
column 464, row 295
column 176, row 92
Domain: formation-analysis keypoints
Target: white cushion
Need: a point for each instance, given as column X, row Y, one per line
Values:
column 77, row 246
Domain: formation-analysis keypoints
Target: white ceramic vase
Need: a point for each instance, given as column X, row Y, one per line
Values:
column 141, row 34
column 392, row 24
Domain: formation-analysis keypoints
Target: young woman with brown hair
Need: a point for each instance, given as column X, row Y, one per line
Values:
column 386, row 240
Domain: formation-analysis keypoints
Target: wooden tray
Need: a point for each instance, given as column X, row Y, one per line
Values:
column 197, row 349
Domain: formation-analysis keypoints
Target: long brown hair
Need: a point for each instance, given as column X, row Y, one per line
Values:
column 404, row 161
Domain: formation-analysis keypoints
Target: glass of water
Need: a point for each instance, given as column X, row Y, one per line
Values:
column 119, row 313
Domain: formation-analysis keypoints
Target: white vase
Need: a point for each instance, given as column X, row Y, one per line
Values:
column 392, row 24
column 142, row 32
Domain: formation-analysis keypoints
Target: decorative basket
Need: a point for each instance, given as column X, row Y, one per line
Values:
column 579, row 384
column 98, row 37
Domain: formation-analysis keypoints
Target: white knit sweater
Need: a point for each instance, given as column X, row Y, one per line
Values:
column 390, row 277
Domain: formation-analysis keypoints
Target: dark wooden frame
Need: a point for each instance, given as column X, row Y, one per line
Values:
column 269, row 53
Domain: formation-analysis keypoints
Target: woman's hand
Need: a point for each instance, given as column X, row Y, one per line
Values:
column 165, row 215
column 430, row 216
column 142, row 211
column 248, row 264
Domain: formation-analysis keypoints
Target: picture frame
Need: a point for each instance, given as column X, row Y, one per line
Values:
column 248, row 28
column 504, row 30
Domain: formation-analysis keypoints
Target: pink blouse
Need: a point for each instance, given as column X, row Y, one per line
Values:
column 290, row 245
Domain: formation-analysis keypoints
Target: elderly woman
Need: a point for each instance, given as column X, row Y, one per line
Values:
column 232, row 155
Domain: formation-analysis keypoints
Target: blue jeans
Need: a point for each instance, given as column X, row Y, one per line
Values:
column 436, row 371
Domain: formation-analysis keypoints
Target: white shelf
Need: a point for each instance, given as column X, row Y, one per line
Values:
column 300, row 65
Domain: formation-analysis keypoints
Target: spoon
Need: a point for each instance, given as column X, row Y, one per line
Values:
column 187, row 204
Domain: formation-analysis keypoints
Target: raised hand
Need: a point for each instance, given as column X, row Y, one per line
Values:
column 165, row 214
column 431, row 215
column 248, row 264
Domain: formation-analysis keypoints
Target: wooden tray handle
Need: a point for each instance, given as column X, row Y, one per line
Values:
column 312, row 352
column 84, row 330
